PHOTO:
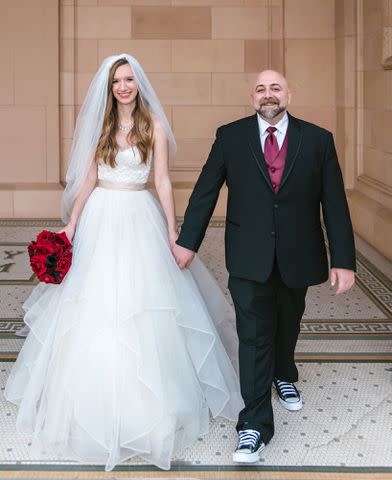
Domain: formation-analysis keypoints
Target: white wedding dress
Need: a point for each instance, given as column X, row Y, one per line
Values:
column 123, row 358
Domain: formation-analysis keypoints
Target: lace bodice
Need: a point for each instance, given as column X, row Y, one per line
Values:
column 129, row 168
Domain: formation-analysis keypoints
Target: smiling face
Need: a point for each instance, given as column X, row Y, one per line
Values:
column 124, row 86
column 270, row 96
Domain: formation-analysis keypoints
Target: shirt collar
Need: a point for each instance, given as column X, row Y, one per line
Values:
column 280, row 126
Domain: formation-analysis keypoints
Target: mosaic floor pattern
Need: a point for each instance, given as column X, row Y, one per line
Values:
column 344, row 358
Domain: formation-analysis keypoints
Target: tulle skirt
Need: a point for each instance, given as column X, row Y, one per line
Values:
column 124, row 357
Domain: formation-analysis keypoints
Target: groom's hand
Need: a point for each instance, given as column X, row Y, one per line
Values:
column 343, row 277
column 183, row 256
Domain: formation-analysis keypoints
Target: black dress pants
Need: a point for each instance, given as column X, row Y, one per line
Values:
column 268, row 317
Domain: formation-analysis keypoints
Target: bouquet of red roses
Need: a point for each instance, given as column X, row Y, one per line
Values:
column 50, row 256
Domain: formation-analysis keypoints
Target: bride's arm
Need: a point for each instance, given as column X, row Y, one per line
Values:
column 81, row 199
column 162, row 180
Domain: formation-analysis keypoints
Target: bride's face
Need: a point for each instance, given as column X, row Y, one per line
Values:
column 124, row 86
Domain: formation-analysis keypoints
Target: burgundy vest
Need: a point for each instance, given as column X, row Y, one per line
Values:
column 276, row 166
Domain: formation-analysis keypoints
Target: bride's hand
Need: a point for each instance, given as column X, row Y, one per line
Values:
column 69, row 230
column 173, row 235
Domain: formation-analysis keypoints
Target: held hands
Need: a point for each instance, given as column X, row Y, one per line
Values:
column 344, row 278
column 183, row 256
column 69, row 230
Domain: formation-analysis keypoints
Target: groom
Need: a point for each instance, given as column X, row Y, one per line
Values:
column 278, row 170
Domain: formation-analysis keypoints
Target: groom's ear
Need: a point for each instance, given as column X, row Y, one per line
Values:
column 289, row 97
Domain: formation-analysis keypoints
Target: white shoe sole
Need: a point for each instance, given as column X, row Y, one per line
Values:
column 291, row 406
column 239, row 457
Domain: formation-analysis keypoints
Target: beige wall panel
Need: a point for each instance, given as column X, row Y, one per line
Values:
column 309, row 19
column 232, row 89
column 135, row 2
column 182, row 88
column 67, row 55
column 22, row 161
column 65, row 147
column 323, row 116
column 372, row 15
column 372, row 51
column 171, row 22
column 154, row 55
column 310, row 69
column 345, row 68
column 67, row 91
column 262, row 54
column 366, row 138
column 6, row 204
column 67, row 116
column 387, row 161
column 207, row 3
column 86, row 56
column 387, row 89
column 363, row 212
column 345, row 138
column 52, row 144
column 6, row 77
column 38, row 69
column 103, row 22
column 383, row 229
column 382, row 130
column 192, row 152
column 374, row 165
column 86, row 2
column 202, row 122
column 242, row 23
column 208, row 56
column 181, row 197
column 83, row 81
column 67, row 23
column 33, row 204
column 375, row 89
column 345, row 18
column 387, row 12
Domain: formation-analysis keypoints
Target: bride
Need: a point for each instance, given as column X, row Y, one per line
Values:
column 124, row 357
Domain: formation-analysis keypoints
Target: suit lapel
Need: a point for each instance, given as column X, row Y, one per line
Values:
column 255, row 147
column 294, row 141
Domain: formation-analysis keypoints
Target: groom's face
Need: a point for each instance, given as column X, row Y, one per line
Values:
column 271, row 96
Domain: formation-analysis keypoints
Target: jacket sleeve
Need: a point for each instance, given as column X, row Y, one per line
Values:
column 335, row 211
column 204, row 197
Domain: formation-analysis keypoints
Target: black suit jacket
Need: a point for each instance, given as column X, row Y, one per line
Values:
column 262, row 225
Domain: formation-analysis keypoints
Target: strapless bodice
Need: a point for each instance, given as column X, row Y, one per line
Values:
column 129, row 168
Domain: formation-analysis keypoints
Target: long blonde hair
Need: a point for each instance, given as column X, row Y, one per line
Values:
column 141, row 134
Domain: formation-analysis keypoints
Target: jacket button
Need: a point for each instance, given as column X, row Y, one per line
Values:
column 273, row 234
column 276, row 205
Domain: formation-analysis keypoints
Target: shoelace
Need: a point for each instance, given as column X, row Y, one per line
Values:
column 286, row 389
column 248, row 437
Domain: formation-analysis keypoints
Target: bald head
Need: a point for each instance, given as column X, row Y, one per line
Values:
column 270, row 95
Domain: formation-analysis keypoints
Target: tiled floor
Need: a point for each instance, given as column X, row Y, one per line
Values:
column 344, row 352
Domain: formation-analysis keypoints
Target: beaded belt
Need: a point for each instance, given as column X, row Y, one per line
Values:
column 121, row 185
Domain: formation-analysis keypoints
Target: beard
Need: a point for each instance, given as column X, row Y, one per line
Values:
column 270, row 113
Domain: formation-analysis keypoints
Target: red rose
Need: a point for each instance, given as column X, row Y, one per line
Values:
column 62, row 239
column 38, row 264
column 63, row 264
column 46, row 249
column 47, row 278
column 45, row 236
column 32, row 248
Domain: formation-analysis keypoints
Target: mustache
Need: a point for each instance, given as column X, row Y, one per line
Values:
column 270, row 100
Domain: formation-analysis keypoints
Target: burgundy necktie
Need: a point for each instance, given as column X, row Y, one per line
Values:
column 271, row 147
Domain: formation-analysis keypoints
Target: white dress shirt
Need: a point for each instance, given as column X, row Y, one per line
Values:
column 280, row 132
